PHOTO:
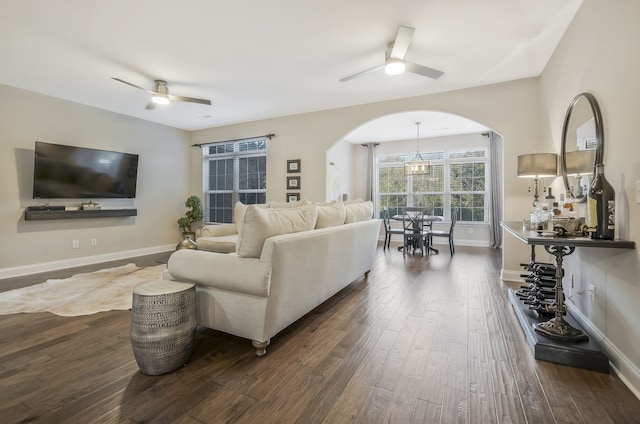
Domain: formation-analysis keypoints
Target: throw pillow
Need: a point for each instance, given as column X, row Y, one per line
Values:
column 358, row 211
column 240, row 209
column 260, row 224
column 331, row 214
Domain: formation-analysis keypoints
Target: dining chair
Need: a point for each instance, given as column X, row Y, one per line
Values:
column 388, row 231
column 413, row 226
column 429, row 235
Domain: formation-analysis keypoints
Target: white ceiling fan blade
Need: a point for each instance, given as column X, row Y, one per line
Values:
column 401, row 43
column 132, row 85
column 360, row 74
column 189, row 99
column 422, row 70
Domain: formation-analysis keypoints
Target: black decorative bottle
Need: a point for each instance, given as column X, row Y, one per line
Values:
column 601, row 203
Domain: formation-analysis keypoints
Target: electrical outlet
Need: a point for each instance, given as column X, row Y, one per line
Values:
column 592, row 293
column 75, row 244
column 94, row 242
column 470, row 230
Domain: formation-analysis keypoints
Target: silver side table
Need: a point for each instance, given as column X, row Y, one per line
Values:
column 163, row 324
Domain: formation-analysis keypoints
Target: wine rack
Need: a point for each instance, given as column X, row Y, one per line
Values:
column 551, row 332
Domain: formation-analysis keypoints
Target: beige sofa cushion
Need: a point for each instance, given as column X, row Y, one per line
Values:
column 361, row 211
column 240, row 209
column 331, row 214
column 220, row 244
column 259, row 224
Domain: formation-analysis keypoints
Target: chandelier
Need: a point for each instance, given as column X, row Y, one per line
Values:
column 419, row 165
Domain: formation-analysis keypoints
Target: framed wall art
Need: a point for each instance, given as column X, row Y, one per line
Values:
column 293, row 197
column 293, row 183
column 293, row 165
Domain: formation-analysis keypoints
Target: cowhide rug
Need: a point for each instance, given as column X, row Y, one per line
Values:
column 82, row 294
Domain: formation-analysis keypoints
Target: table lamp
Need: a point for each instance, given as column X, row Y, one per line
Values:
column 536, row 166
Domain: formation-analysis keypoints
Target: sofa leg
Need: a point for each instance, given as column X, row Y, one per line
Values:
column 366, row 274
column 261, row 347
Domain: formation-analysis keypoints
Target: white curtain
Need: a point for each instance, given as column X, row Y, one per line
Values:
column 495, row 185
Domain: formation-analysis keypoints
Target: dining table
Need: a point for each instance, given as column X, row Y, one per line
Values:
column 427, row 221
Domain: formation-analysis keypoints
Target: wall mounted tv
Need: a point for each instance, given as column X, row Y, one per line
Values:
column 69, row 172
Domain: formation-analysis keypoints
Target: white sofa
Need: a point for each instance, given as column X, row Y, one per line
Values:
column 283, row 268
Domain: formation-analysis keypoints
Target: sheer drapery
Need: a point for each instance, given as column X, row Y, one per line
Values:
column 495, row 184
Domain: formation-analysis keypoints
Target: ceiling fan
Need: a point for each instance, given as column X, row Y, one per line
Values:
column 394, row 63
column 160, row 94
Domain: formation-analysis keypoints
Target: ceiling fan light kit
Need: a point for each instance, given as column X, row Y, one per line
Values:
column 161, row 93
column 160, row 99
column 394, row 66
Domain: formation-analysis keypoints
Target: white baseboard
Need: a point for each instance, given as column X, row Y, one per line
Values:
column 512, row 276
column 628, row 372
column 86, row 260
column 625, row 369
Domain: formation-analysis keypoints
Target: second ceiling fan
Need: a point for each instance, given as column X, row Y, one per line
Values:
column 394, row 59
column 160, row 94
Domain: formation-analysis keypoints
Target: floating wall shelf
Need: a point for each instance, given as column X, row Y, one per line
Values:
column 40, row 215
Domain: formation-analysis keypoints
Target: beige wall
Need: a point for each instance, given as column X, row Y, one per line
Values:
column 599, row 54
column 32, row 246
column 339, row 163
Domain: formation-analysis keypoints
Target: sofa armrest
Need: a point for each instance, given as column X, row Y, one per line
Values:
column 222, row 271
column 217, row 230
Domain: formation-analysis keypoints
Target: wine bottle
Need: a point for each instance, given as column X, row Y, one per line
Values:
column 601, row 207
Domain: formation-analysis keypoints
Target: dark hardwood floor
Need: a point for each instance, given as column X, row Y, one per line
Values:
column 423, row 340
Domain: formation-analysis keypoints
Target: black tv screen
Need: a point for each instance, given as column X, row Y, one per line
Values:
column 71, row 172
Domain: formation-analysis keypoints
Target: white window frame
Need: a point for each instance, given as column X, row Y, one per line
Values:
column 447, row 161
column 236, row 155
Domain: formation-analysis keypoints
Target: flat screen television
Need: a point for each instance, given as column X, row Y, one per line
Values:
column 69, row 172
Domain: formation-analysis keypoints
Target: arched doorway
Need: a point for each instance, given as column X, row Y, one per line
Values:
column 467, row 158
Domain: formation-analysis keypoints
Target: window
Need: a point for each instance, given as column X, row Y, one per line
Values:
column 233, row 171
column 458, row 178
column 467, row 184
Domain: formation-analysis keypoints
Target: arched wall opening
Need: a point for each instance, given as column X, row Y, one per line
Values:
column 348, row 167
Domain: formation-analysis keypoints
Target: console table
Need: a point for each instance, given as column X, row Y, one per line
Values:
column 567, row 335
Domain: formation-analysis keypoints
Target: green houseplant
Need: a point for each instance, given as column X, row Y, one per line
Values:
column 194, row 213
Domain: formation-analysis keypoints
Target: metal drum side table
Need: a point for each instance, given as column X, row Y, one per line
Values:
column 163, row 324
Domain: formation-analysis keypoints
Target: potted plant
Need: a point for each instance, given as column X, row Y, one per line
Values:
column 193, row 214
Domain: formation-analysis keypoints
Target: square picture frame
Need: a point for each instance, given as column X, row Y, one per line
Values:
column 293, row 197
column 293, row 165
column 293, row 183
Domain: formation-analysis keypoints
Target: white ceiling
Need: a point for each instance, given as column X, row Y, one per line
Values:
column 257, row 59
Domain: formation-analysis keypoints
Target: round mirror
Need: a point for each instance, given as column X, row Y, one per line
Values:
column 582, row 145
